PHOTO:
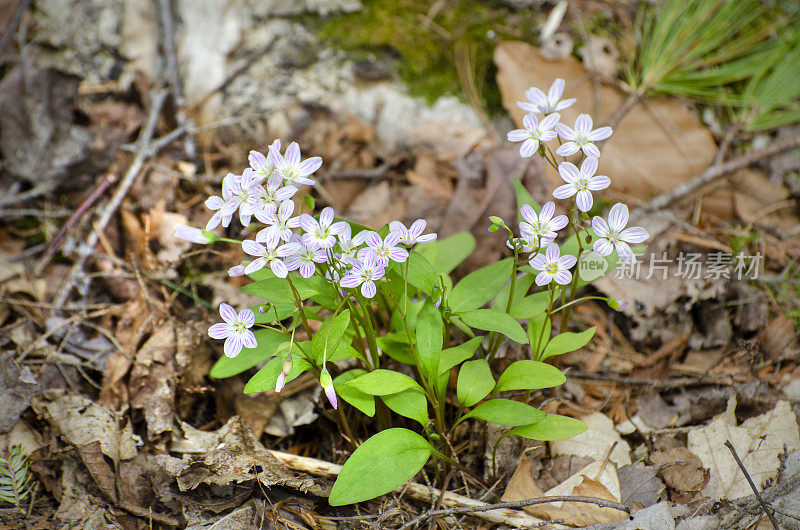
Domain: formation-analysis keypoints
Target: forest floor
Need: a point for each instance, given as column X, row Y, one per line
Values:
column 109, row 137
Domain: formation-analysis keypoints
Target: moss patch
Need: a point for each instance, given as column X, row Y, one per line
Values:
column 421, row 41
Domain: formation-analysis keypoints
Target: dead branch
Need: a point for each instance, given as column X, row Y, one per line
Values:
column 729, row 445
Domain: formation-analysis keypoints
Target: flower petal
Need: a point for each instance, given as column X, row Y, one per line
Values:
column 257, row 160
column 600, row 227
column 565, row 103
column 549, row 121
column 543, row 278
column 563, row 277
column 233, row 346
column 556, row 90
column 599, row 134
column 567, row 261
column 528, row 213
column 308, row 223
column 602, row 246
column 584, row 201
column 253, row 248
column 618, row 217
column 567, row 149
column 247, row 317
column 569, row 173
column 536, row 96
column 292, row 155
column 634, row 234
column 564, row 192
column 530, row 122
column 583, row 124
column 308, row 167
column 565, row 132
column 227, row 313
column 368, row 289
column 547, row 212
column 528, row 148
column 279, row 268
column 558, row 222
column 589, row 167
column 220, row 330
column 350, row 281
column 249, row 339
column 599, row 182
column 591, row 150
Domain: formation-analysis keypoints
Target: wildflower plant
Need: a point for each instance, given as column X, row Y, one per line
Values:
column 376, row 317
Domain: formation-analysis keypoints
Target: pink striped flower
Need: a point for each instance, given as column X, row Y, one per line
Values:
column 264, row 165
column 542, row 226
column 269, row 255
column 382, row 250
column 582, row 137
column 292, row 168
column 321, row 233
column 580, row 182
column 304, row 258
column 365, row 273
column 235, row 329
column 614, row 236
column 553, row 266
column 280, row 223
column 413, row 234
column 534, row 131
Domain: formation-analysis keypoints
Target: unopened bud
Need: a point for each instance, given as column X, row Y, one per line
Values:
column 327, row 385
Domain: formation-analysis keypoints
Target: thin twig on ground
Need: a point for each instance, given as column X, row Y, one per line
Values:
column 729, row 445
column 717, row 171
column 515, row 504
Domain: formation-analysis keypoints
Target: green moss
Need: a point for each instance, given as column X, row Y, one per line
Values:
column 424, row 43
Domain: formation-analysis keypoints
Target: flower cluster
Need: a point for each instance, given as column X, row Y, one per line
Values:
column 289, row 242
column 542, row 124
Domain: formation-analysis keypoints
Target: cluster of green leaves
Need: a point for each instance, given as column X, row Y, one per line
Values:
column 739, row 53
column 400, row 344
column 16, row 482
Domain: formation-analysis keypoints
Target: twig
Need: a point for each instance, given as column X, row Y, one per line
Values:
column 143, row 152
column 720, row 170
column 666, row 384
column 516, row 504
column 99, row 190
column 419, row 492
column 729, row 445
column 378, row 172
column 36, row 191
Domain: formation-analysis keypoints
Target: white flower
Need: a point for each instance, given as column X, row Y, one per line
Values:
column 347, row 244
column 321, row 233
column 292, row 168
column 280, row 223
column 413, row 234
column 581, row 137
column 269, row 255
column 365, row 273
column 541, row 227
column 268, row 198
column 304, row 257
column 534, row 131
column 190, row 233
column 382, row 250
column 553, row 266
column 581, row 182
column 542, row 103
column 235, row 329
column 236, row 271
column 264, row 166
column 614, row 235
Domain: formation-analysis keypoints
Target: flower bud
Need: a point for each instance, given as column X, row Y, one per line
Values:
column 327, row 385
column 287, row 367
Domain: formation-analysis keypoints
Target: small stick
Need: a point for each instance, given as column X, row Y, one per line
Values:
column 729, row 445
column 99, row 190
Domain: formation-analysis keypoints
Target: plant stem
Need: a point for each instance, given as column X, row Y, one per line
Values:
column 498, row 339
column 298, row 302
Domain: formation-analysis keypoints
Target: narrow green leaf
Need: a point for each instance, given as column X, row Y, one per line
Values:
column 410, row 403
column 445, row 254
column 567, row 342
column 530, row 306
column 454, row 356
column 494, row 320
column 397, row 350
column 521, row 287
column 552, row 427
column 381, row 382
column 523, row 197
column 363, row 402
column 505, row 412
column 475, row 381
column 478, row 287
column 330, row 334
column 264, row 380
column 421, row 273
column 379, row 465
column 269, row 340
column 529, row 375
column 429, row 334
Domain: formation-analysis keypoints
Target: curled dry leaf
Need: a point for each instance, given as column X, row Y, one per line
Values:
column 759, row 442
column 682, row 471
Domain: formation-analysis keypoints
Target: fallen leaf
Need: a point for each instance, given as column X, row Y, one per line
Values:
column 759, row 442
column 600, row 55
column 81, row 421
column 656, row 516
column 153, row 378
column 682, row 471
column 597, row 480
column 778, row 337
column 17, row 387
column 596, row 441
column 639, row 485
column 449, row 141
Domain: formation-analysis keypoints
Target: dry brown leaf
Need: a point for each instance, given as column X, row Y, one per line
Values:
column 376, row 206
column 596, row 441
column 432, row 177
column 778, row 337
column 759, row 442
column 17, row 387
column 153, row 379
column 449, row 141
column 597, row 480
column 657, row 146
column 682, row 471
column 639, row 486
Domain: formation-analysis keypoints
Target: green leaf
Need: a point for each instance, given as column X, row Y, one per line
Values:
column 421, row 273
column 330, row 334
column 523, row 197
column 410, row 403
column 381, row 382
column 384, row 462
column 552, row 427
column 530, row 306
column 429, row 339
column 478, row 287
column 454, row 356
column 475, row 381
column 269, row 340
column 494, row 320
column 539, row 333
column 397, row 350
column 529, row 375
column 567, row 342
column 445, row 254
column 521, row 287
column 363, row 402
column 505, row 412
column 264, row 380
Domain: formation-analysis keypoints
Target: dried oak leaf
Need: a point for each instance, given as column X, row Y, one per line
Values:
column 596, row 441
column 153, row 379
column 639, row 485
column 682, row 471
